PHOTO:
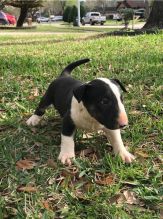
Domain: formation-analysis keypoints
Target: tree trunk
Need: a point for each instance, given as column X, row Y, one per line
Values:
column 22, row 17
column 147, row 9
column 156, row 16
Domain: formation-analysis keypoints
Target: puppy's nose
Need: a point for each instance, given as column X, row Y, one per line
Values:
column 123, row 120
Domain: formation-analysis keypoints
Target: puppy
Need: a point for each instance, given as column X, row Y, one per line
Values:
column 95, row 105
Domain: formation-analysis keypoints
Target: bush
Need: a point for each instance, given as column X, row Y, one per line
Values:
column 70, row 13
column 73, row 14
column 66, row 13
column 127, row 15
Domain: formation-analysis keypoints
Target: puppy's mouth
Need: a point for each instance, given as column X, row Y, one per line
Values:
column 123, row 126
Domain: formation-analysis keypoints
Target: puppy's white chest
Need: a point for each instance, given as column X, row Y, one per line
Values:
column 81, row 117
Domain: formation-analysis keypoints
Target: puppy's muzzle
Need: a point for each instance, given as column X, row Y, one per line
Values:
column 122, row 120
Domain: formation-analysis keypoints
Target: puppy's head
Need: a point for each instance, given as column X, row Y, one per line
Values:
column 103, row 100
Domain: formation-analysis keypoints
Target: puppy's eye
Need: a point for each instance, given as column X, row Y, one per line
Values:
column 104, row 101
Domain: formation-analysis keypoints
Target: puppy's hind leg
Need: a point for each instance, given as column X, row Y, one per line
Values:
column 40, row 110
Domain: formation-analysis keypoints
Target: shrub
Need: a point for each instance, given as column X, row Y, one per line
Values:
column 66, row 13
column 70, row 13
column 127, row 15
column 73, row 14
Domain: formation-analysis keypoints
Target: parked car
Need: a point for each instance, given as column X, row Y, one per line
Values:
column 11, row 19
column 140, row 12
column 117, row 17
column 3, row 18
column 56, row 18
column 93, row 18
column 42, row 19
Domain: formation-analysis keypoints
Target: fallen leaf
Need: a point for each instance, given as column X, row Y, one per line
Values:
column 46, row 204
column 31, row 97
column 27, row 189
column 69, row 173
column 88, row 135
column 141, row 153
column 35, row 92
column 114, row 198
column 25, row 164
column 51, row 163
column 127, row 197
column 106, row 180
column 130, row 197
column 86, row 152
column 51, row 181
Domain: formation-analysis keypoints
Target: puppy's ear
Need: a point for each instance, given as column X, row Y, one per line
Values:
column 79, row 92
column 120, row 84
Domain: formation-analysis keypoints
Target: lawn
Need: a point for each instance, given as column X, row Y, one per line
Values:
column 98, row 185
column 62, row 27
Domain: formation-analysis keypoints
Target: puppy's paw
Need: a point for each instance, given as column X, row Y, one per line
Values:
column 33, row 120
column 126, row 156
column 65, row 158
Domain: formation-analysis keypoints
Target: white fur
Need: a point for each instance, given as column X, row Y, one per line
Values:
column 114, row 136
column 116, row 93
column 33, row 120
column 67, row 149
column 81, row 117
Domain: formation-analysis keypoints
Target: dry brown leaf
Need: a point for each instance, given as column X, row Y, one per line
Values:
column 130, row 197
column 27, row 189
column 51, row 181
column 35, row 92
column 141, row 153
column 31, row 97
column 87, row 135
column 86, row 152
column 46, row 204
column 25, row 164
column 107, row 180
column 71, row 172
column 114, row 198
column 127, row 197
column 51, row 163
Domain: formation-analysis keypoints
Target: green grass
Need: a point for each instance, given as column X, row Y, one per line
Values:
column 62, row 27
column 137, row 62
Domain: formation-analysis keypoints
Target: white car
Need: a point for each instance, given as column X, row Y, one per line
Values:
column 93, row 18
column 56, row 18
column 117, row 17
column 42, row 19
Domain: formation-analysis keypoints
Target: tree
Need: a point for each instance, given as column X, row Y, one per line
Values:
column 24, row 6
column 155, row 18
column 127, row 15
column 63, row 4
column 73, row 14
column 66, row 13
column 2, row 4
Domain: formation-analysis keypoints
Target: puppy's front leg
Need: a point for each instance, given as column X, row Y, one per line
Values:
column 67, row 142
column 116, row 141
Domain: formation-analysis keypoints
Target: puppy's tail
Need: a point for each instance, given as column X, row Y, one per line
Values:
column 70, row 67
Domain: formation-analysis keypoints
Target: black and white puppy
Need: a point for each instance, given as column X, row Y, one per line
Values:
column 95, row 105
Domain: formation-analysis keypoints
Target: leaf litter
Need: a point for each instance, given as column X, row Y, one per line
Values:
column 25, row 164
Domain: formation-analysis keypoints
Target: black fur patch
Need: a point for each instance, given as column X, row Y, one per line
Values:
column 102, row 103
